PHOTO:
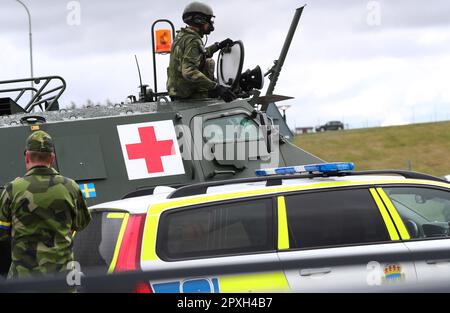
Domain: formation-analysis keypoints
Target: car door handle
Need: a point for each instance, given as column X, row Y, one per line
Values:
column 314, row 271
column 432, row 262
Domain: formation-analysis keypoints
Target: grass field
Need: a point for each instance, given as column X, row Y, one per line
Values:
column 420, row 147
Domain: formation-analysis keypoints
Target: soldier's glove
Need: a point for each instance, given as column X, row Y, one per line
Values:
column 225, row 43
column 225, row 93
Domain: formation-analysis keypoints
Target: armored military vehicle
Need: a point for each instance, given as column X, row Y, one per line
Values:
column 130, row 148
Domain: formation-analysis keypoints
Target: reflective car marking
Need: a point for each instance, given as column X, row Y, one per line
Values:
column 148, row 252
column 203, row 285
column 283, row 232
column 116, row 215
column 125, row 217
column 404, row 234
column 267, row 282
column 386, row 217
column 273, row 282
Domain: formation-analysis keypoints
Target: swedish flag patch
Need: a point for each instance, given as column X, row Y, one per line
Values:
column 88, row 190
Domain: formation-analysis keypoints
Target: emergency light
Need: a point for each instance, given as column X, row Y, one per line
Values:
column 163, row 41
column 323, row 168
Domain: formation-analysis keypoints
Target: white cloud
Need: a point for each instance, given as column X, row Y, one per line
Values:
column 394, row 120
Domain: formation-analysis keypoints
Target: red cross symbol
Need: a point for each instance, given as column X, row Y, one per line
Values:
column 150, row 149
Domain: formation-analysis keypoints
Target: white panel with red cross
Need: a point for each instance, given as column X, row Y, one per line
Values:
column 150, row 150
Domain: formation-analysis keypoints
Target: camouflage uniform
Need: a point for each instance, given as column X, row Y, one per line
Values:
column 39, row 214
column 191, row 73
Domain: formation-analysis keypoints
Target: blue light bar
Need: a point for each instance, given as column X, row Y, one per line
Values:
column 330, row 167
column 310, row 168
column 285, row 170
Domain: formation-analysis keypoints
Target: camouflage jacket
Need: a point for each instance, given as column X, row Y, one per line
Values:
column 186, row 75
column 39, row 214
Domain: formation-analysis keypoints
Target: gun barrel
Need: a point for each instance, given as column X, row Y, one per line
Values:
column 287, row 43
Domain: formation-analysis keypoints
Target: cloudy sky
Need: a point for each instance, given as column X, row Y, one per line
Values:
column 368, row 63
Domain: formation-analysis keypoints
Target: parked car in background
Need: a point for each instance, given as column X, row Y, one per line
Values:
column 333, row 125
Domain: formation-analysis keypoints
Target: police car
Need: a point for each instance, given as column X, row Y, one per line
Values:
column 347, row 229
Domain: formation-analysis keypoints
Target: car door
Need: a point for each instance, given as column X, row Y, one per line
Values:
column 425, row 214
column 341, row 240
column 231, row 233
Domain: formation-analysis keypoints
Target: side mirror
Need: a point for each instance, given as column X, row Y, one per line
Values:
column 437, row 229
column 420, row 199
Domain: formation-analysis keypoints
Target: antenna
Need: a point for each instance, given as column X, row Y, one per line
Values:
column 143, row 94
column 139, row 70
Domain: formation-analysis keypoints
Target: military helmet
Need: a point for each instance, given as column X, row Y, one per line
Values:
column 197, row 14
column 40, row 141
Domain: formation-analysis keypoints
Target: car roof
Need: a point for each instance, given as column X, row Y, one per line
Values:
column 301, row 182
column 140, row 205
column 137, row 205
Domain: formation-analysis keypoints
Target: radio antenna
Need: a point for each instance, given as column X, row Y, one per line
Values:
column 139, row 70
column 143, row 94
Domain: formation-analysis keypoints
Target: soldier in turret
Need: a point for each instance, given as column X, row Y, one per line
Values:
column 191, row 69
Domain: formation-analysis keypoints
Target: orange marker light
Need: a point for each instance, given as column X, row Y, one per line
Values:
column 163, row 41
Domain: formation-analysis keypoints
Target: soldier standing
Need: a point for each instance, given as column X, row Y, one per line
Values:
column 191, row 69
column 40, row 212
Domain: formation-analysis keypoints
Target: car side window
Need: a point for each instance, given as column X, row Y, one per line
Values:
column 217, row 230
column 334, row 218
column 94, row 246
column 424, row 211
